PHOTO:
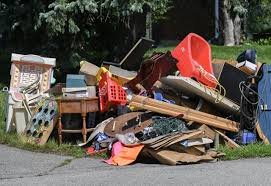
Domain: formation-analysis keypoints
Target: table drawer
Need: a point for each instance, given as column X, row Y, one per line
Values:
column 70, row 107
column 92, row 106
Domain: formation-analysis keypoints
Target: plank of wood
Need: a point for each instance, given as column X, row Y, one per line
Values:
column 173, row 107
column 229, row 141
column 188, row 116
column 208, row 132
column 261, row 134
column 186, row 113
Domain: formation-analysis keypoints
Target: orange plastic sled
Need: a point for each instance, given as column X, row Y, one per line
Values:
column 194, row 59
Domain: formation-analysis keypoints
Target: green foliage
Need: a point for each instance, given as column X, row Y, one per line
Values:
column 261, row 41
column 71, row 30
column 259, row 17
column 238, row 6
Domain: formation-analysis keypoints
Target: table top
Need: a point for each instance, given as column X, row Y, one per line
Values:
column 61, row 98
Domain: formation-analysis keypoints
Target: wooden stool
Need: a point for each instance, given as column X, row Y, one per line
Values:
column 76, row 105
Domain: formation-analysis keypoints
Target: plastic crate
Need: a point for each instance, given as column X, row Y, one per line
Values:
column 248, row 137
column 110, row 92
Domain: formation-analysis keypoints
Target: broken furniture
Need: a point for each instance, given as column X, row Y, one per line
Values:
column 76, row 105
column 190, row 86
column 26, row 70
column 151, row 70
column 134, row 57
column 194, row 59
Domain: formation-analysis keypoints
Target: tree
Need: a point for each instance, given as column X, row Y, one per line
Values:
column 259, row 16
column 232, row 11
column 92, row 28
column 73, row 29
column 17, row 21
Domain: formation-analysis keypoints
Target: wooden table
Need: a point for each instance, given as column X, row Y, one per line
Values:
column 76, row 105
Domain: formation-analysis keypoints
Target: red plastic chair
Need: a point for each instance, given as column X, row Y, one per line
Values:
column 194, row 59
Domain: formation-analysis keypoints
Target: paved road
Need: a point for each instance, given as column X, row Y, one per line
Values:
column 19, row 167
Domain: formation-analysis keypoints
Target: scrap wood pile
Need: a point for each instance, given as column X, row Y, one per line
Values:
column 174, row 108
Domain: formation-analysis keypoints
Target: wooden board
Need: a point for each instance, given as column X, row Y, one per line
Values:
column 208, row 132
column 185, row 113
column 190, row 86
column 130, row 122
column 261, row 134
column 230, row 143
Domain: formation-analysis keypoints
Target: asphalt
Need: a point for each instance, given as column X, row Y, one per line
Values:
column 19, row 167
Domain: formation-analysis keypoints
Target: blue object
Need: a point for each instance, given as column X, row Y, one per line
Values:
column 159, row 96
column 248, row 137
column 264, row 104
column 101, row 137
column 75, row 80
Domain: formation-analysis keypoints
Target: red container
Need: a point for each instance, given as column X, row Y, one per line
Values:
column 194, row 59
column 110, row 93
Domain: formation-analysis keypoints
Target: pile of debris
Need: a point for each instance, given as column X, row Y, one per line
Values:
column 173, row 108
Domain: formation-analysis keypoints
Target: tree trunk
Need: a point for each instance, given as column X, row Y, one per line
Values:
column 228, row 25
column 149, row 25
column 237, row 29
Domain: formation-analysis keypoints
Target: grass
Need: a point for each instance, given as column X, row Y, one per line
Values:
column 230, row 53
column 250, row 151
column 12, row 139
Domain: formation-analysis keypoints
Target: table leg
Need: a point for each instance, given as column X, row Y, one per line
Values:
column 84, row 129
column 59, row 131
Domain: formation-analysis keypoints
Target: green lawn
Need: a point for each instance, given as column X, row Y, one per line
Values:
column 224, row 52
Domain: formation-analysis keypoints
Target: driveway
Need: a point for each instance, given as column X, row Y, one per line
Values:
column 19, row 167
